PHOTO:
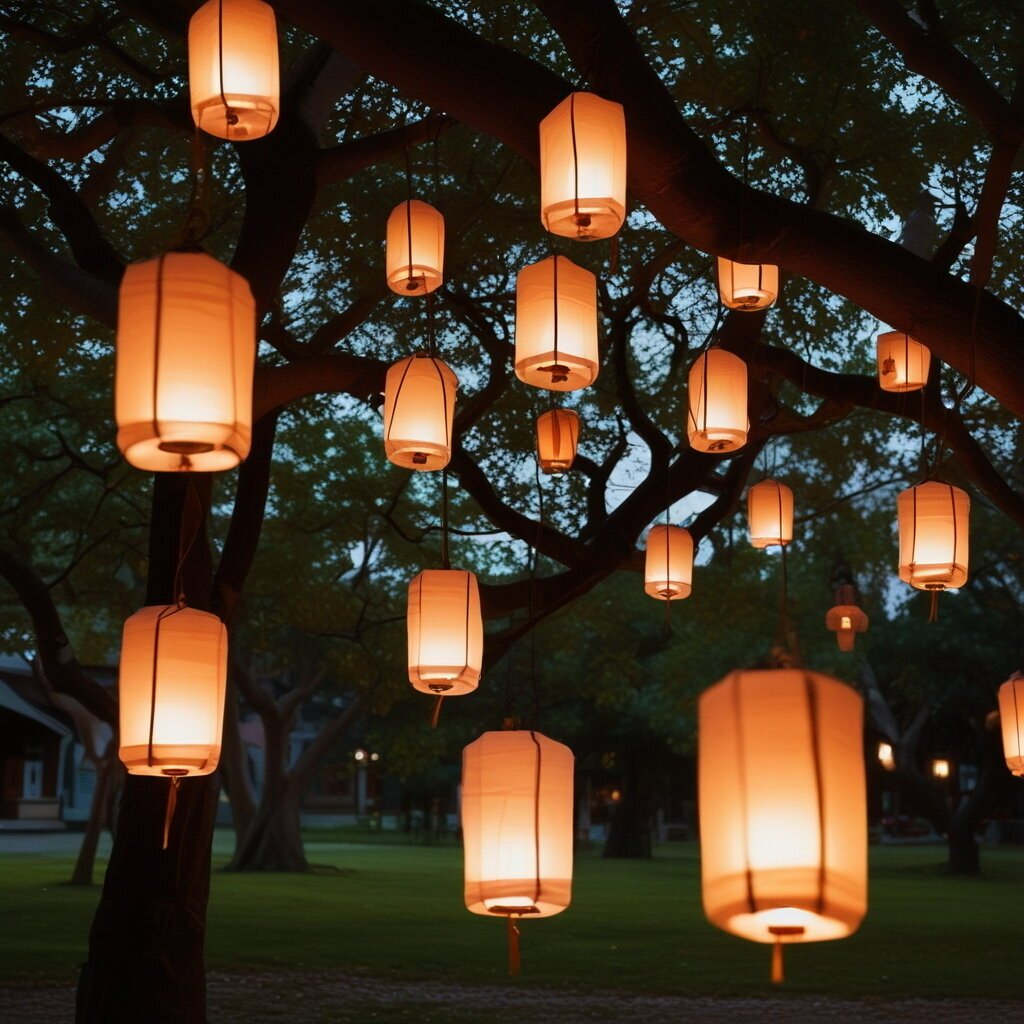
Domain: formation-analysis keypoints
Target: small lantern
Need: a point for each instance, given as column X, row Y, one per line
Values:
column 747, row 286
column 517, row 816
column 415, row 248
column 1011, row 715
column 902, row 362
column 717, row 402
column 419, row 407
column 886, row 757
column 845, row 619
column 770, row 514
column 558, row 430
column 186, row 347
column 933, row 526
column 783, row 816
column 583, row 168
column 233, row 76
column 446, row 632
column 940, row 768
column 668, row 568
column 556, row 325
column 171, row 691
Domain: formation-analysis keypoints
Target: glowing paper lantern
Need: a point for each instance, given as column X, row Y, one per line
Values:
column 556, row 325
column 517, row 815
column 233, row 76
column 940, row 768
column 186, row 346
column 783, row 817
column 446, row 632
column 419, row 407
column 902, row 362
column 770, row 514
column 716, row 418
column 415, row 248
column 558, row 430
column 171, row 691
column 1011, row 716
column 668, row 568
column 747, row 286
column 583, row 168
column 933, row 523
column 886, row 757
column 845, row 618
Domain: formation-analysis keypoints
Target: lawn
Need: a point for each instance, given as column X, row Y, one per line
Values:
column 636, row 926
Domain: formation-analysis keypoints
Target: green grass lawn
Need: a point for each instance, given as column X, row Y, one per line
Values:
column 637, row 926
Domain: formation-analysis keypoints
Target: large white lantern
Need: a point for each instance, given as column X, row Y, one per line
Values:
column 934, row 525
column 716, row 419
column 415, row 248
column 419, row 409
column 747, row 286
column 668, row 565
column 445, row 632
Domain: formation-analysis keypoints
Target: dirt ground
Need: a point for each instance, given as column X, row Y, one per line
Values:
column 273, row 998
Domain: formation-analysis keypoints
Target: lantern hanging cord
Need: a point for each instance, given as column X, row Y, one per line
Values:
column 191, row 524
column 197, row 215
column 532, row 599
column 172, row 803
column 445, row 560
column 435, row 712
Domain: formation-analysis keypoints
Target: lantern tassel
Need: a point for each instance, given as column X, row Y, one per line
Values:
column 933, row 613
column 778, row 972
column 514, row 960
column 436, row 713
column 172, row 803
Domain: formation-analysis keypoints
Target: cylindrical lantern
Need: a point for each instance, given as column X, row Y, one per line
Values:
column 1011, row 716
column 747, row 286
column 558, row 430
column 583, row 168
column 770, row 514
column 446, row 632
column 419, row 407
column 556, row 325
column 517, row 815
column 668, row 567
column 846, row 621
column 783, row 817
column 171, row 691
column 716, row 419
column 902, row 362
column 415, row 248
column 233, row 76
column 186, row 347
column 933, row 524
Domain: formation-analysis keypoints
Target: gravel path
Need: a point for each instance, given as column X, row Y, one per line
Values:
column 318, row 998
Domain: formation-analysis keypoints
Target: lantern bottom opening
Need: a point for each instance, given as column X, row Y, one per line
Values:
column 554, row 897
column 749, row 299
column 417, row 455
column 419, row 280
column 769, row 542
column 717, row 440
column 667, row 590
column 169, row 760
column 935, row 577
column 450, row 683
column 176, row 447
column 556, row 372
column 586, row 220
column 788, row 924
column 901, row 386
column 555, row 468
column 236, row 117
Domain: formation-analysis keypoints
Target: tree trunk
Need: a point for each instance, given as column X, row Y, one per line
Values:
column 106, row 772
column 633, row 821
column 964, row 854
column 274, row 840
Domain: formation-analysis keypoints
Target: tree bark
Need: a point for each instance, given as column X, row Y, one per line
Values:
column 633, row 822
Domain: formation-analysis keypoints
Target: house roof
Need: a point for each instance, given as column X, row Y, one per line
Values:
column 13, row 701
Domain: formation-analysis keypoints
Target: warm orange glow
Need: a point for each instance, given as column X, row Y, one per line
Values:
column 558, row 431
column 1011, row 717
column 902, row 362
column 783, row 815
column 886, row 758
column 934, row 523
column 770, row 514
column 716, row 418
column 171, row 691
column 419, row 407
column 446, row 632
column 940, row 768
column 186, row 346
column 583, row 168
column 846, row 621
column 517, row 803
column 415, row 268
column 233, row 77
column 556, row 342
column 668, row 567
column 747, row 286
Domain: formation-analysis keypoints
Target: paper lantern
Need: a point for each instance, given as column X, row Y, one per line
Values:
column 668, row 567
column 933, row 526
column 845, row 618
column 747, row 286
column 886, row 757
column 783, row 816
column 186, row 347
column 902, row 362
column 558, row 430
column 770, row 514
column 419, row 407
column 1011, row 716
column 716, row 418
column 171, row 691
column 583, row 168
column 517, row 823
column 940, row 768
column 415, row 248
column 233, row 76
column 446, row 632
column 556, row 325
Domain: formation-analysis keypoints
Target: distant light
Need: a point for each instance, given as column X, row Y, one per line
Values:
column 616, row 796
column 375, row 757
column 940, row 768
column 360, row 755
column 886, row 757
